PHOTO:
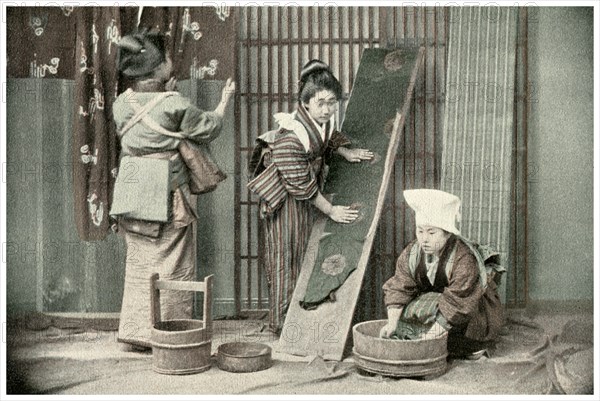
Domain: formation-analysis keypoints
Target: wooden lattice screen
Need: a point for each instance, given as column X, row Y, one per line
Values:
column 273, row 43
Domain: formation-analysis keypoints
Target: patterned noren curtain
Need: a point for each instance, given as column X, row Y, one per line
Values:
column 95, row 144
column 201, row 39
column 80, row 44
column 77, row 43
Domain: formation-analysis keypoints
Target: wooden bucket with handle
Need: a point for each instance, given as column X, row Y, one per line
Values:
column 181, row 346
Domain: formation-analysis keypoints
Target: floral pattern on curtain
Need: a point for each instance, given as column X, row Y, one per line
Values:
column 95, row 144
column 40, row 42
column 201, row 40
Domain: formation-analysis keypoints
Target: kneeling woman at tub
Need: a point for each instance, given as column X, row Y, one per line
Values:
column 441, row 281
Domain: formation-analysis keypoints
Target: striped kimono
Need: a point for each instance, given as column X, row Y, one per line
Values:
column 289, row 169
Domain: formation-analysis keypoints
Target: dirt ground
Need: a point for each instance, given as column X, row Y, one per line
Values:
column 539, row 352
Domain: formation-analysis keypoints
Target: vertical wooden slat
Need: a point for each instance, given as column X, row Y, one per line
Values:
column 454, row 81
column 269, row 62
column 340, row 50
column 493, row 136
column 525, row 174
column 330, row 33
column 279, row 59
column 446, row 30
column 435, row 96
column 370, row 23
column 425, row 104
column 291, row 85
column 500, row 229
column 383, row 27
column 467, row 78
column 430, row 100
column 460, row 84
column 415, row 120
column 237, row 168
column 350, row 47
column 441, row 79
column 395, row 26
column 415, row 24
column 404, row 23
column 261, row 239
column 421, row 104
column 517, row 277
column 472, row 169
column 278, row 40
column 258, row 99
column 310, row 33
column 320, row 34
column 300, row 37
column 360, row 29
column 515, row 172
column 413, row 143
column 484, row 124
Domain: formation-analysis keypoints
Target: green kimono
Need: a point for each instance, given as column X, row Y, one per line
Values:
column 172, row 251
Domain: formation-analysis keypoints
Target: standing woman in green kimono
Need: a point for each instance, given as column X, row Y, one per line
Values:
column 288, row 168
column 167, row 248
column 444, row 282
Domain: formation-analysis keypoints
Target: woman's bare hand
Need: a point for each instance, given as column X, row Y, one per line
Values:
column 392, row 322
column 228, row 90
column 355, row 155
column 343, row 214
column 170, row 84
column 387, row 330
column 226, row 93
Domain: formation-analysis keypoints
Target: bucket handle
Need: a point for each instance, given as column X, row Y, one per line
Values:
column 198, row 286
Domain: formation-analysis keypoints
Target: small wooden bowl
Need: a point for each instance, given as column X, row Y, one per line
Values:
column 243, row 357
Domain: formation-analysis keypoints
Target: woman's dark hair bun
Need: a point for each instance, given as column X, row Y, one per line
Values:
column 140, row 53
column 131, row 43
column 311, row 67
column 316, row 76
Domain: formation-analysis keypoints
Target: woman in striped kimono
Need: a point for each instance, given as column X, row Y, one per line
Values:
column 288, row 168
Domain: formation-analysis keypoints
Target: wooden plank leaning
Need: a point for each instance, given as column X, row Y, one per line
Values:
column 384, row 84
